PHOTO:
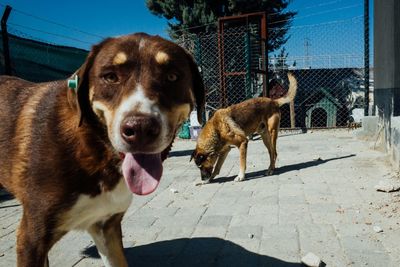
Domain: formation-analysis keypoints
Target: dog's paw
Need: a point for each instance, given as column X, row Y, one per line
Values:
column 239, row 178
column 269, row 172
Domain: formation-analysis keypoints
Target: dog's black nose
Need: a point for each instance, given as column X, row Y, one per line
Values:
column 140, row 130
column 205, row 174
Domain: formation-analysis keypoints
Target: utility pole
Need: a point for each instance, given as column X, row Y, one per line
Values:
column 366, row 57
column 307, row 52
column 4, row 34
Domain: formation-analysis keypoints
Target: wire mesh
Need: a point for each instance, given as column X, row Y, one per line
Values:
column 39, row 61
column 327, row 60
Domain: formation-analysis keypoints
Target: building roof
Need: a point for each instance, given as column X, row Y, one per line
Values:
column 325, row 93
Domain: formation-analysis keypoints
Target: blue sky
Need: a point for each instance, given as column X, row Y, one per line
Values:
column 319, row 11
column 330, row 32
column 85, row 22
column 99, row 18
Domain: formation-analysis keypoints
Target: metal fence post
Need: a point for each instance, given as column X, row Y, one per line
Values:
column 221, row 56
column 197, row 51
column 198, row 58
column 264, row 53
column 4, row 33
column 366, row 57
column 248, row 64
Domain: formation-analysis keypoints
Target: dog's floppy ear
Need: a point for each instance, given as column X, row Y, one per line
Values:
column 198, row 88
column 193, row 155
column 80, row 94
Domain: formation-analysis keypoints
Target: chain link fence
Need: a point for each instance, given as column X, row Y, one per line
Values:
column 229, row 64
column 39, row 61
column 327, row 60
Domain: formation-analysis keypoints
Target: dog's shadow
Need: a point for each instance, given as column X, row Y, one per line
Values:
column 199, row 251
column 5, row 196
column 180, row 153
column 281, row 170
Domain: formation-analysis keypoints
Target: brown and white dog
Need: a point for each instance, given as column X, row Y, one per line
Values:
column 232, row 125
column 73, row 157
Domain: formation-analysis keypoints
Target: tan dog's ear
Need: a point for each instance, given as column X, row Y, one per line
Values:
column 197, row 88
column 193, row 155
column 80, row 94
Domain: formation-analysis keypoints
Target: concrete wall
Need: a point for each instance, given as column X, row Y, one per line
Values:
column 387, row 73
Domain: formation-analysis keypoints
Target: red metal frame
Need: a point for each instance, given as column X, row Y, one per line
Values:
column 246, row 18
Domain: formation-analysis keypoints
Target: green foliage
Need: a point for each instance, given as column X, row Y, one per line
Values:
column 199, row 16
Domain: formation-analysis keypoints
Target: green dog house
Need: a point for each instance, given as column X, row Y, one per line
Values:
column 324, row 112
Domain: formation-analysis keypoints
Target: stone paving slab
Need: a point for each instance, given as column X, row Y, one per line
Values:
column 321, row 199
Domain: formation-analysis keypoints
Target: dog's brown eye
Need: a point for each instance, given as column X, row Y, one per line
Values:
column 199, row 159
column 111, row 77
column 172, row 77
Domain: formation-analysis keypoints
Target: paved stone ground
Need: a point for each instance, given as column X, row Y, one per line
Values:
column 327, row 206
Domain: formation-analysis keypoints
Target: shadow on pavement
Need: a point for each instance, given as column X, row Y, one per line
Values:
column 255, row 137
column 283, row 169
column 308, row 164
column 180, row 153
column 202, row 252
column 4, row 195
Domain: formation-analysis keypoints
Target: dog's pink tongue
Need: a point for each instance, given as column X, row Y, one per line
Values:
column 142, row 172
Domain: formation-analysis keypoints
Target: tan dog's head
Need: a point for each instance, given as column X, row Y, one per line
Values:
column 207, row 150
column 205, row 161
column 141, row 88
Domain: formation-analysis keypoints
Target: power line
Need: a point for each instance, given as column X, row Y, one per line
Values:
column 270, row 14
column 317, row 13
column 25, row 35
column 323, row 4
column 195, row 27
column 310, row 7
column 317, row 24
column 179, row 30
column 49, row 33
column 55, row 23
column 305, row 16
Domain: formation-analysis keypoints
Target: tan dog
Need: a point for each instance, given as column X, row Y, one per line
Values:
column 73, row 153
column 232, row 125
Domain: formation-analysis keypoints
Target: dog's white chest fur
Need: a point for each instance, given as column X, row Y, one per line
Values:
column 89, row 210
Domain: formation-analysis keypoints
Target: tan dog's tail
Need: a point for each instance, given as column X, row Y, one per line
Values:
column 291, row 92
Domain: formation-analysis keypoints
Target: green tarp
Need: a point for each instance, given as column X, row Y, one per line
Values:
column 39, row 62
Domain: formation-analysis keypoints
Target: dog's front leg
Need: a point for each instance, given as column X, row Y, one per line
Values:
column 242, row 155
column 34, row 240
column 107, row 236
column 221, row 159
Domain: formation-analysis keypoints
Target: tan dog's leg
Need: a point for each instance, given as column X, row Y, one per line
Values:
column 108, row 239
column 242, row 155
column 239, row 139
column 273, row 127
column 270, row 141
column 220, row 162
column 266, row 137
